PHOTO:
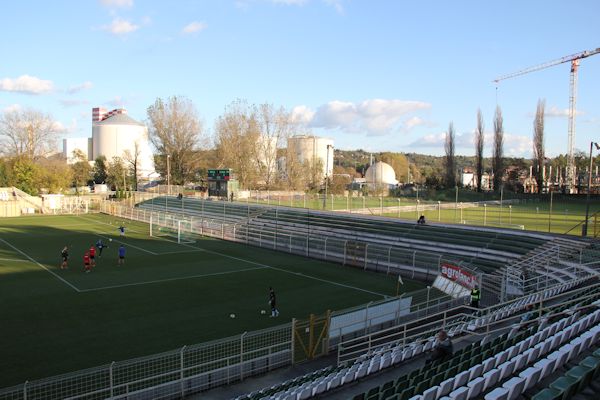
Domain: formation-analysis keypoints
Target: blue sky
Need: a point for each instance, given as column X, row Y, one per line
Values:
column 376, row 75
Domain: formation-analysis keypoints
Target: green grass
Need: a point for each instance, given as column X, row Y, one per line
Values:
column 532, row 216
column 166, row 295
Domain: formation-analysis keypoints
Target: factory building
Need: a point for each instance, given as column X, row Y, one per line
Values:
column 114, row 134
column 314, row 150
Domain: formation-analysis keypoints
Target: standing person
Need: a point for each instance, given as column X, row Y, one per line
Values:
column 86, row 261
column 64, row 254
column 442, row 347
column 475, row 297
column 121, row 229
column 273, row 303
column 92, row 256
column 100, row 246
column 121, row 255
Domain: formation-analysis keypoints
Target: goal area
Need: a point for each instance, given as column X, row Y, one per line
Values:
column 179, row 230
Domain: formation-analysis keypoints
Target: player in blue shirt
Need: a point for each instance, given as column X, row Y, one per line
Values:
column 100, row 246
column 121, row 255
column 121, row 230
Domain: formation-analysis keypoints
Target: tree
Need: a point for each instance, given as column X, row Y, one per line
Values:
column 538, row 145
column 27, row 133
column 399, row 163
column 274, row 127
column 116, row 174
column 80, row 170
column 342, row 177
column 498, row 152
column 450, row 180
column 26, row 175
column 100, row 170
column 479, row 142
column 133, row 159
column 54, row 175
column 175, row 130
column 237, row 133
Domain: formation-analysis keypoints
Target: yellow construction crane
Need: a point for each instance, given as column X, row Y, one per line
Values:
column 574, row 59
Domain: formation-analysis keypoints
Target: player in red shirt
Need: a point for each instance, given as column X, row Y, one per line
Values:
column 86, row 261
column 93, row 256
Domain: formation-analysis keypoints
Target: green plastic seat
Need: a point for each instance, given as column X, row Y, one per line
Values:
column 360, row 396
column 547, row 394
column 583, row 375
column 387, row 385
column 594, row 363
column 407, row 393
column 566, row 385
column 373, row 392
column 401, row 386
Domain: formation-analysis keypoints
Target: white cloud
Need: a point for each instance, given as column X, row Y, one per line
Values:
column 555, row 112
column 412, row 122
column 12, row 108
column 26, row 84
column 373, row 116
column 116, row 101
column 194, row 27
column 120, row 26
column 117, row 3
column 289, row 2
column 73, row 102
column 302, row 115
column 77, row 88
column 516, row 145
column 336, row 4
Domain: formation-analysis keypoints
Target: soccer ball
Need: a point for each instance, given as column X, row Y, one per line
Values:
column 110, row 239
column 231, row 315
column 263, row 312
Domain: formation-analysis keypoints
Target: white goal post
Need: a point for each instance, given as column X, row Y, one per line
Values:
column 172, row 228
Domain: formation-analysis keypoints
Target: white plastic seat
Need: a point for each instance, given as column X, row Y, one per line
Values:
column 515, row 386
column 499, row 393
column 431, row 393
column 334, row 382
column 320, row 387
column 446, row 387
column 475, row 387
column 488, row 365
column 506, row 369
column 547, row 366
column 532, row 376
column 491, row 378
column 461, row 379
column 520, row 362
column 500, row 358
column 475, row 371
column 305, row 393
column 386, row 361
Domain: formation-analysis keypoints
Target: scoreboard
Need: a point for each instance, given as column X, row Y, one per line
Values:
column 219, row 174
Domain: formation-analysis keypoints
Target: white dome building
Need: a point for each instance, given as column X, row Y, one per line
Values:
column 381, row 173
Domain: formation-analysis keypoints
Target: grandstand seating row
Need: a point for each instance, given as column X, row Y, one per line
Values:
column 486, row 249
column 391, row 355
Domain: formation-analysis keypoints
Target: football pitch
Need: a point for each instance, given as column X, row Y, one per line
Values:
column 165, row 296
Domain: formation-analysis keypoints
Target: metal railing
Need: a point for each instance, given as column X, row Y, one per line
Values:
column 170, row 374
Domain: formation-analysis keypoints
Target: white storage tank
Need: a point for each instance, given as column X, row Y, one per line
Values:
column 119, row 133
column 313, row 149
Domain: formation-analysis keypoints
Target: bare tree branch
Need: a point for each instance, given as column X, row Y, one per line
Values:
column 450, row 162
column 498, row 158
column 28, row 133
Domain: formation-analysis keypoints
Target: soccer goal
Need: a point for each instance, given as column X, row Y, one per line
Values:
column 172, row 229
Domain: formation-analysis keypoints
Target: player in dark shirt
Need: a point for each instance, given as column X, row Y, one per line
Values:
column 64, row 254
column 273, row 303
column 100, row 246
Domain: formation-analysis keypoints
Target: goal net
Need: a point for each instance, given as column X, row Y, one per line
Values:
column 171, row 228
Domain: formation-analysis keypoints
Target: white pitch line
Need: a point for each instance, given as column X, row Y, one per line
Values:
column 57, row 276
column 14, row 259
column 288, row 272
column 170, row 279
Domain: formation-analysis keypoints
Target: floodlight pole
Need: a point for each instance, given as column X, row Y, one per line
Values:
column 326, row 175
column 168, row 174
column 589, row 188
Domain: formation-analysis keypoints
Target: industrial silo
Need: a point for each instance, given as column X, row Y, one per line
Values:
column 115, row 134
column 313, row 149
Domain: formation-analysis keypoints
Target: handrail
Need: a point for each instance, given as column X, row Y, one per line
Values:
column 594, row 215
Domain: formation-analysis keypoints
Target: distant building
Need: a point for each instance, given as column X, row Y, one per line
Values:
column 72, row 144
column 468, row 178
column 114, row 134
column 314, row 150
